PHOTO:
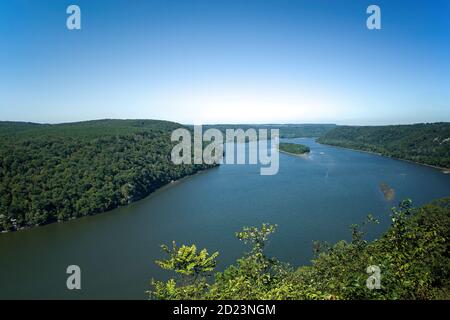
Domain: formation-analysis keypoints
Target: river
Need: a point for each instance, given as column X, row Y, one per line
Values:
column 311, row 198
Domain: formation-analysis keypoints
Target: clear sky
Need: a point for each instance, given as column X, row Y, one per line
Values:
column 226, row 61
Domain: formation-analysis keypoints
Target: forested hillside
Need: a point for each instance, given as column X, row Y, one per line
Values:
column 58, row 172
column 424, row 143
column 286, row 130
column 412, row 259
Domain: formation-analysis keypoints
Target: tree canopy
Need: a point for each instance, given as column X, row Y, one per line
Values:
column 294, row 148
column 64, row 171
column 286, row 130
column 412, row 257
column 427, row 143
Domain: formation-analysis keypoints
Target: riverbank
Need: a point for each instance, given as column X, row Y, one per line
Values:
column 162, row 188
column 443, row 169
column 301, row 155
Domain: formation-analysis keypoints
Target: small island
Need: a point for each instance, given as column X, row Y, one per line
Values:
column 293, row 148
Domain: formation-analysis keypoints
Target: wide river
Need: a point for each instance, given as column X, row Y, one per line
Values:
column 313, row 198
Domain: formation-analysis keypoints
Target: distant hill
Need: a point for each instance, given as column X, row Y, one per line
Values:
column 64, row 171
column 286, row 130
column 427, row 143
column 8, row 127
column 85, row 128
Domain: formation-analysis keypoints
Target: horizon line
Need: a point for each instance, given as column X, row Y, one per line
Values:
column 218, row 123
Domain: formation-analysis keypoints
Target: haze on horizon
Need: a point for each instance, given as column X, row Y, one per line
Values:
column 201, row 61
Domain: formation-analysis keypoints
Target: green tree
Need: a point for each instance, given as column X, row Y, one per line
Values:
column 192, row 267
column 413, row 256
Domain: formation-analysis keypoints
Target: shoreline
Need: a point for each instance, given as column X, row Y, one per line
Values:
column 442, row 169
column 302, row 155
column 169, row 184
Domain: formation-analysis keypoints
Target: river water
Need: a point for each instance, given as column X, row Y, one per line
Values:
column 311, row 198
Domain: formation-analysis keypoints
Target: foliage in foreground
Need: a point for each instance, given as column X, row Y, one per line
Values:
column 413, row 256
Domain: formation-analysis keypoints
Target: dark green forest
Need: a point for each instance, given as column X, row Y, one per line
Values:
column 412, row 257
column 427, row 143
column 286, row 130
column 294, row 148
column 58, row 172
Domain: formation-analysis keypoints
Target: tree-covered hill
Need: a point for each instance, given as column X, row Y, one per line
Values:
column 427, row 143
column 286, row 130
column 64, row 171
column 410, row 261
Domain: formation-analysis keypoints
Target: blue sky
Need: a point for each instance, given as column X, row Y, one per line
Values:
column 247, row 61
